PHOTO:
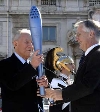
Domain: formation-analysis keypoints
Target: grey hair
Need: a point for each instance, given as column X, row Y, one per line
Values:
column 89, row 25
column 19, row 32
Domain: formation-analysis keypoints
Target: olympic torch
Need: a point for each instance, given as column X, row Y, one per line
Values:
column 35, row 22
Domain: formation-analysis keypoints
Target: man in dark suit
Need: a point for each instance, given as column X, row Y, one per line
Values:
column 84, row 93
column 18, row 76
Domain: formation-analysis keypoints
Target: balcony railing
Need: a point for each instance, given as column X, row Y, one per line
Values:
column 48, row 2
column 94, row 2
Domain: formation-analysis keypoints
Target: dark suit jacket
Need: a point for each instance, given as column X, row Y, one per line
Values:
column 18, row 89
column 85, row 92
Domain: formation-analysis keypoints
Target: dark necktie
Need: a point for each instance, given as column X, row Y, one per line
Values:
column 82, row 59
column 25, row 63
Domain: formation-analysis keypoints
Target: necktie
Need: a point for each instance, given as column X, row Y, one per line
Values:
column 25, row 63
column 82, row 59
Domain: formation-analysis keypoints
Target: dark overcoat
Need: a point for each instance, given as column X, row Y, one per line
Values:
column 84, row 94
column 18, row 86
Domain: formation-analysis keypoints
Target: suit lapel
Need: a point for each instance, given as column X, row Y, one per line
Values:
column 16, row 62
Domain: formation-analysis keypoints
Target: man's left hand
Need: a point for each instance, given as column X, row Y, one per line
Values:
column 42, row 81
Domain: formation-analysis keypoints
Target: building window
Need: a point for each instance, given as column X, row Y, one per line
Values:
column 48, row 2
column 25, row 3
column 94, row 2
column 49, row 33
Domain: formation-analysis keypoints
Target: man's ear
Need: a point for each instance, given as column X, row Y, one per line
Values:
column 92, row 34
column 15, row 43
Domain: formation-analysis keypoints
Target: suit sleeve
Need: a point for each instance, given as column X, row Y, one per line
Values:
column 88, row 80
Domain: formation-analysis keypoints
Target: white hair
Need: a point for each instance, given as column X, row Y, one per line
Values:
column 89, row 25
column 85, row 29
column 19, row 32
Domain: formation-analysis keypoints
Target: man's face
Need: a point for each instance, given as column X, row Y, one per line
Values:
column 23, row 46
column 83, row 38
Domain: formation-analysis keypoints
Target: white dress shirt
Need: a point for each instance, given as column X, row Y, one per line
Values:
column 21, row 59
column 90, row 48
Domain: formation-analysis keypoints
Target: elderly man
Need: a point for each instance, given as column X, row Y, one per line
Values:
column 18, row 76
column 84, row 93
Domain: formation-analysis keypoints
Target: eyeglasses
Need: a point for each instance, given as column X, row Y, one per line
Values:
column 77, row 34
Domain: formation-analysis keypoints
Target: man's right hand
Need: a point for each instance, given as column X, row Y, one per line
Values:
column 36, row 59
column 52, row 94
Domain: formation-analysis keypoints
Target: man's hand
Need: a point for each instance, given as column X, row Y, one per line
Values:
column 36, row 59
column 52, row 94
column 42, row 81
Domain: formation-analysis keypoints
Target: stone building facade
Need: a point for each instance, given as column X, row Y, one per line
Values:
column 58, row 19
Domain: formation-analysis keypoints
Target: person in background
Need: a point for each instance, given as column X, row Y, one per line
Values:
column 84, row 93
column 60, row 80
column 18, row 76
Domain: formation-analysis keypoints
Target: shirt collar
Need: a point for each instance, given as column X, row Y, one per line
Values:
column 20, row 58
column 90, row 48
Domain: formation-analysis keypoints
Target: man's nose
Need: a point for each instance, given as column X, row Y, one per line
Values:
column 30, row 44
column 76, row 38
